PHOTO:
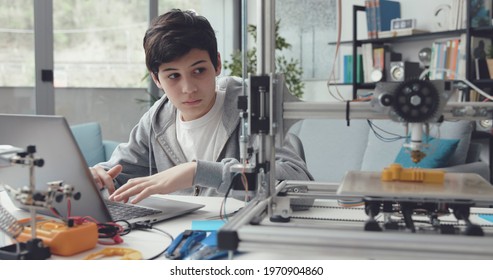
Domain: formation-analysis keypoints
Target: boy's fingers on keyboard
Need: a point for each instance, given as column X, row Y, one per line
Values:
column 115, row 170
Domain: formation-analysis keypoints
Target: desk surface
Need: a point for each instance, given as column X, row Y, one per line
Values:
column 152, row 242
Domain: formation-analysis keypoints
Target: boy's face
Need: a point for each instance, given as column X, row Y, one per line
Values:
column 190, row 83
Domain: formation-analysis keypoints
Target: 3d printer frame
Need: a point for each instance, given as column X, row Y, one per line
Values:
column 256, row 226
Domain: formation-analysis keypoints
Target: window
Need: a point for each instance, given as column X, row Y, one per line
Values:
column 99, row 43
column 309, row 26
column 16, row 43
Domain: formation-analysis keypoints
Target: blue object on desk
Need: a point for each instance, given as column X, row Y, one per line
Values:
column 207, row 250
column 487, row 217
column 195, row 245
column 207, row 225
column 184, row 244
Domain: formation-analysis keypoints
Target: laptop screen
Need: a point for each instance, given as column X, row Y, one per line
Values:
column 55, row 145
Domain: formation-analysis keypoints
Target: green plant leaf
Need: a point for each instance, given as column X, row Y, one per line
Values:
column 291, row 69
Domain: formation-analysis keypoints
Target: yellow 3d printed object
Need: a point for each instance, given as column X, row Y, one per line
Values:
column 395, row 172
column 125, row 253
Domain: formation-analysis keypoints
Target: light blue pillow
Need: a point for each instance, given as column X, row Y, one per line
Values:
column 438, row 154
column 89, row 139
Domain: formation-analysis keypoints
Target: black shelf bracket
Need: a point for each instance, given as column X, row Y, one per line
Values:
column 356, row 43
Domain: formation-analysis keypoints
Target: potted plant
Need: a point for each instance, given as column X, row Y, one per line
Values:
column 290, row 68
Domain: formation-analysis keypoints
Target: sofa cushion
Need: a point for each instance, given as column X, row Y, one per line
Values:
column 331, row 147
column 379, row 154
column 109, row 147
column 461, row 130
column 438, row 154
column 89, row 139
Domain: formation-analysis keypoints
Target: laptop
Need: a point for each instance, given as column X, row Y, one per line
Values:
column 63, row 161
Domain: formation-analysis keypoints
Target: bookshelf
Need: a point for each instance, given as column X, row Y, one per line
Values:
column 468, row 33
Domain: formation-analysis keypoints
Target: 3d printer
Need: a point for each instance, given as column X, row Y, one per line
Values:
column 272, row 110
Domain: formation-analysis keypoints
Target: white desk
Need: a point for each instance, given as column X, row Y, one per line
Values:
column 151, row 242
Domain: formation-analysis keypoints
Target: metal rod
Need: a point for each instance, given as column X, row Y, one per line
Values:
column 244, row 43
column 265, row 36
column 32, row 187
column 366, row 110
column 360, row 244
column 244, row 59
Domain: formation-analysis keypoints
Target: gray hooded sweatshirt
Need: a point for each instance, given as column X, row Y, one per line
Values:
column 153, row 147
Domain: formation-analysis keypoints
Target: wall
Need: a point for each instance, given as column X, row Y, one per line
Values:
column 102, row 105
column 224, row 22
column 117, row 110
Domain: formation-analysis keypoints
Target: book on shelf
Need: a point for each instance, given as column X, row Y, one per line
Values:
column 379, row 58
column 458, row 16
column 453, row 58
column 461, row 57
column 367, row 61
column 386, row 11
column 447, row 59
column 370, row 19
column 473, row 96
column 401, row 32
column 480, row 13
column 348, row 75
column 345, row 66
column 348, row 69
column 489, row 62
column 481, row 68
column 379, row 14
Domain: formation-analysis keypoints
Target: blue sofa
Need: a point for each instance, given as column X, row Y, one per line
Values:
column 91, row 143
column 332, row 148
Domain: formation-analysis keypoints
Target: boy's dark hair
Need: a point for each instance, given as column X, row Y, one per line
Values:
column 174, row 34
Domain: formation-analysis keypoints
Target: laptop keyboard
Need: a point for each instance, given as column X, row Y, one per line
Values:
column 124, row 211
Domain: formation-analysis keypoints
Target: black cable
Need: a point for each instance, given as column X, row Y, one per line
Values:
column 233, row 182
column 126, row 230
column 145, row 226
column 381, row 137
column 347, row 112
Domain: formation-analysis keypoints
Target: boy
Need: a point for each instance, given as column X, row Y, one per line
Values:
column 187, row 141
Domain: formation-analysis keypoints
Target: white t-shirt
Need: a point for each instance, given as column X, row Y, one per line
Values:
column 203, row 138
